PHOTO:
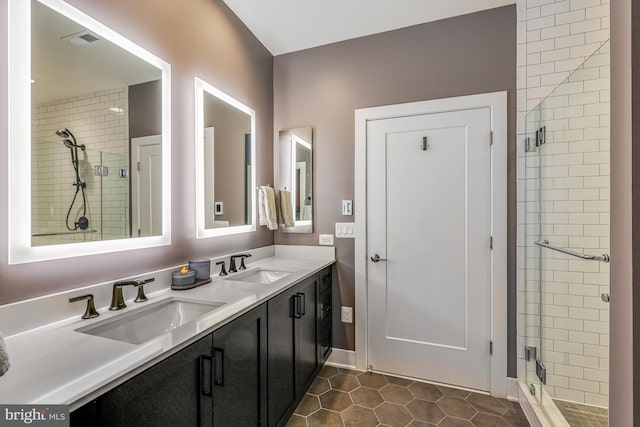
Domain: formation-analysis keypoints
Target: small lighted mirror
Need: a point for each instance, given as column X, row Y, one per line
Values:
column 89, row 137
column 225, row 163
column 296, row 176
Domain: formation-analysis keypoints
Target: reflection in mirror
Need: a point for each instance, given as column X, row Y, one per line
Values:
column 296, row 176
column 98, row 120
column 225, row 163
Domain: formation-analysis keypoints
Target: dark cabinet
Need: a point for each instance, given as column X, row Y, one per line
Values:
column 176, row 391
column 292, row 347
column 218, row 381
column 325, row 315
column 252, row 371
column 240, row 371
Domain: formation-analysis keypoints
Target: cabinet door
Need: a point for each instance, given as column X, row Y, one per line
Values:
column 307, row 336
column 175, row 392
column 281, row 354
column 240, row 370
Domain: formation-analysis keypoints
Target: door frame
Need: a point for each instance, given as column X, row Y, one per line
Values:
column 497, row 102
column 134, row 178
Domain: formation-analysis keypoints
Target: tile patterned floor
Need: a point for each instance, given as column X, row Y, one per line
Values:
column 578, row 415
column 342, row 397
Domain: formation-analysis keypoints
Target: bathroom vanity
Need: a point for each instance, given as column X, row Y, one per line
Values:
column 250, row 364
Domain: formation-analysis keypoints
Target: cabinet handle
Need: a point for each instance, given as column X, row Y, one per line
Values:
column 302, row 303
column 295, row 306
column 205, row 391
column 218, row 375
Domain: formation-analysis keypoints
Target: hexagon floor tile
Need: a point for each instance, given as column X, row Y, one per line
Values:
column 344, row 397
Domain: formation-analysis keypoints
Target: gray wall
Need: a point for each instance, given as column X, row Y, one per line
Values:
column 145, row 109
column 624, row 350
column 322, row 87
column 203, row 39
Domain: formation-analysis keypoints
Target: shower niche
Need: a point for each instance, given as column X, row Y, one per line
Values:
column 565, row 225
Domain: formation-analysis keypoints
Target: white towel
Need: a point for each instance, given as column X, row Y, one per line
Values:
column 4, row 357
column 267, row 214
column 286, row 208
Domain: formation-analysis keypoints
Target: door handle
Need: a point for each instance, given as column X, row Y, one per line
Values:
column 218, row 375
column 294, row 306
column 376, row 258
column 205, row 391
column 302, row 303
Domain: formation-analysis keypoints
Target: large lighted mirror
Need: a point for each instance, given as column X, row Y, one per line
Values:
column 295, row 147
column 89, row 137
column 225, row 163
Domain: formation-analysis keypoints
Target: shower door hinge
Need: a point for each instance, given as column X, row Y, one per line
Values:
column 491, row 138
column 541, row 371
column 138, row 166
column 491, row 348
column 491, row 242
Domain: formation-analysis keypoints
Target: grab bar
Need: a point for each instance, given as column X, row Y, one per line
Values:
column 545, row 244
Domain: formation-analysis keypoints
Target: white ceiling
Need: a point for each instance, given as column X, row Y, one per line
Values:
column 290, row 25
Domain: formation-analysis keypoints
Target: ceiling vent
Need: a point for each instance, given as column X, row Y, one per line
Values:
column 81, row 38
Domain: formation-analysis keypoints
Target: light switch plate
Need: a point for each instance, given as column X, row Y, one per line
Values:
column 325, row 239
column 346, row 316
column 345, row 230
column 347, row 207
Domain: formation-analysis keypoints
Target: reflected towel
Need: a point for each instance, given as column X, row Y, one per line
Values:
column 267, row 214
column 4, row 357
column 286, row 208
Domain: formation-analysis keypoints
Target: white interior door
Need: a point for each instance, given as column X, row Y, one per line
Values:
column 146, row 186
column 429, row 220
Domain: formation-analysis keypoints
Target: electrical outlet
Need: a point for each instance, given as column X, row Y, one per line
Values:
column 347, row 315
column 347, row 207
column 325, row 239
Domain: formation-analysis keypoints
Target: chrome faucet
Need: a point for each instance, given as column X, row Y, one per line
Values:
column 117, row 299
column 232, row 263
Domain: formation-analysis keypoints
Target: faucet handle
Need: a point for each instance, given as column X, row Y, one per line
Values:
column 90, row 312
column 223, row 272
column 141, row 297
column 242, row 266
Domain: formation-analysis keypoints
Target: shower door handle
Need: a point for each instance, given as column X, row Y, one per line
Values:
column 376, row 258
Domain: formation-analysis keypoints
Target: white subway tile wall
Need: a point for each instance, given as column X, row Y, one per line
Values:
column 563, row 194
column 100, row 121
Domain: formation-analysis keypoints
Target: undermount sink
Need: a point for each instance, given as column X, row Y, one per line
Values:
column 259, row 276
column 152, row 321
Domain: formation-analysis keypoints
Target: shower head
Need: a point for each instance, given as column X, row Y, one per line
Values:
column 63, row 133
column 67, row 143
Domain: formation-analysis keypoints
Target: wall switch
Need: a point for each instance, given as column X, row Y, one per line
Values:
column 325, row 239
column 347, row 315
column 347, row 207
column 345, row 230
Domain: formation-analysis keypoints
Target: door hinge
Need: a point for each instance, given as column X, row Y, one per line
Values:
column 138, row 166
column 491, row 242
column 491, row 138
column 491, row 348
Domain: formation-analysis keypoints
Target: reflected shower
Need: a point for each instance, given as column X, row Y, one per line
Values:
column 70, row 142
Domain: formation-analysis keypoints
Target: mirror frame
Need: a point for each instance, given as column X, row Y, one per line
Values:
column 19, row 121
column 300, row 226
column 203, row 233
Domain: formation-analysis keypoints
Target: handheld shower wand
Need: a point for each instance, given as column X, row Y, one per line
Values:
column 82, row 222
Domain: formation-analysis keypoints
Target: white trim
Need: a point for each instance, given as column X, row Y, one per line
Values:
column 342, row 358
column 497, row 102
column 202, row 232
column 19, row 121
column 531, row 408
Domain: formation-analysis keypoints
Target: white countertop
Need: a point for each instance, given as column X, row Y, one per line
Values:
column 54, row 364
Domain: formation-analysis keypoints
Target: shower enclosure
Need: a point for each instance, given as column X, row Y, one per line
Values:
column 107, row 195
column 566, row 242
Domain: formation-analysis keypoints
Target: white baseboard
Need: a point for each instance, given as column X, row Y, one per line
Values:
column 513, row 390
column 342, row 358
